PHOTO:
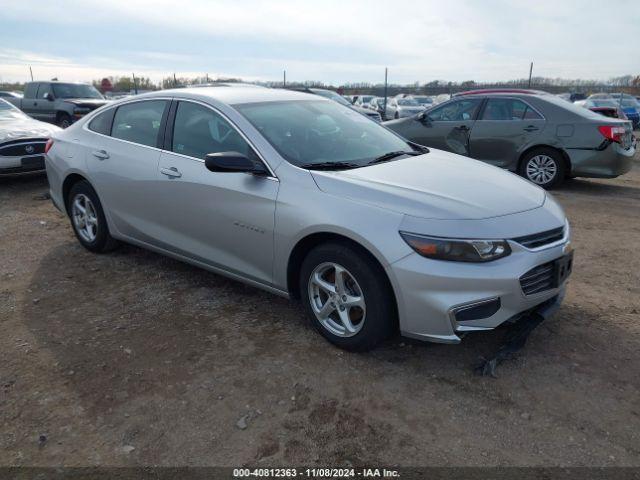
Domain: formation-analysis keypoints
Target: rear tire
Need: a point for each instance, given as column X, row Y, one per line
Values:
column 88, row 220
column 543, row 166
column 347, row 297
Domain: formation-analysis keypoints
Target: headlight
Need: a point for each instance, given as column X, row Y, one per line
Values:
column 457, row 250
column 81, row 110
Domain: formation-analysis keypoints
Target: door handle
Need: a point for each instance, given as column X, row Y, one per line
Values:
column 530, row 128
column 463, row 128
column 171, row 172
column 101, row 154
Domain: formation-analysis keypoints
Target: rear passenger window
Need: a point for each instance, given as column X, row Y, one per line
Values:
column 198, row 131
column 102, row 123
column 139, row 122
column 508, row 109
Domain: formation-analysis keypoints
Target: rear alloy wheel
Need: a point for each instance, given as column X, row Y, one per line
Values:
column 544, row 167
column 88, row 220
column 347, row 297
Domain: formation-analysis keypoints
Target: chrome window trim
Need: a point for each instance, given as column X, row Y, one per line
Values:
column 88, row 120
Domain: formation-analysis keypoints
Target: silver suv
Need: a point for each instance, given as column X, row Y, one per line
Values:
column 308, row 199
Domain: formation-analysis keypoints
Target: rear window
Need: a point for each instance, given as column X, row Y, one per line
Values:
column 139, row 122
column 102, row 123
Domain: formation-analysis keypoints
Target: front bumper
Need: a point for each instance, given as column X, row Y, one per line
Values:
column 429, row 292
column 611, row 162
column 16, row 165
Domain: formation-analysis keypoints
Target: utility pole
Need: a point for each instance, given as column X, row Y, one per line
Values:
column 135, row 86
column 384, row 110
column 530, row 72
column 284, row 78
column 31, row 72
column 175, row 82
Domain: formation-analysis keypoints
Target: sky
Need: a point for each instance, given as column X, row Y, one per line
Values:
column 333, row 41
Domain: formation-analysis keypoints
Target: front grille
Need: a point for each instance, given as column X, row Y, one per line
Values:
column 538, row 279
column 23, row 148
column 540, row 239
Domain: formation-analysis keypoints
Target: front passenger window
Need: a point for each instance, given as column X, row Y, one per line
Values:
column 456, row 111
column 198, row 131
column 139, row 122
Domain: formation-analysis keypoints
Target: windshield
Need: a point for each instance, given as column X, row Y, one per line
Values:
column 8, row 111
column 75, row 90
column 408, row 102
column 317, row 132
column 332, row 96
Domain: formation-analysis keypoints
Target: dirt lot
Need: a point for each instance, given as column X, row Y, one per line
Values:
column 131, row 358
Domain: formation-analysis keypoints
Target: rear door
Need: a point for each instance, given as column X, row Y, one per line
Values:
column 225, row 220
column 446, row 126
column 124, row 165
column 505, row 126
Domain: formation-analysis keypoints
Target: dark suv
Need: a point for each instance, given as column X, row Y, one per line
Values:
column 539, row 136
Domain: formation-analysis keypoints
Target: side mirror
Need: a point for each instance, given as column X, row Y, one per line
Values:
column 48, row 96
column 424, row 118
column 233, row 162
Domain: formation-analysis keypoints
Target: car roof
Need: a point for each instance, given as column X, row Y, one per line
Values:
column 236, row 95
column 501, row 91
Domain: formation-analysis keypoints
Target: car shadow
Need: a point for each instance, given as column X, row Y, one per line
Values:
column 597, row 187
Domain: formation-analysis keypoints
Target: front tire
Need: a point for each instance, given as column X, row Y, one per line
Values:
column 396, row 116
column 64, row 120
column 347, row 297
column 88, row 220
column 543, row 166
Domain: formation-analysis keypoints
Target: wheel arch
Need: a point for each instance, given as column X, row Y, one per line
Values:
column 561, row 151
column 68, row 184
column 312, row 240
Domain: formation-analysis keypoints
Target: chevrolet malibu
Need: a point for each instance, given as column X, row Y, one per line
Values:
column 305, row 198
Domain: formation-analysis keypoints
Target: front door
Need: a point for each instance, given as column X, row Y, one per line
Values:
column 445, row 127
column 505, row 126
column 225, row 220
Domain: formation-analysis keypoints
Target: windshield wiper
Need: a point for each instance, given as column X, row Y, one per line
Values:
column 330, row 166
column 391, row 155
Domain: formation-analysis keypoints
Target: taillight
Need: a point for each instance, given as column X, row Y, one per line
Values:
column 612, row 133
column 48, row 146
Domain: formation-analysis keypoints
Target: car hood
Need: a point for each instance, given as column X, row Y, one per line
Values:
column 92, row 103
column 15, row 128
column 436, row 185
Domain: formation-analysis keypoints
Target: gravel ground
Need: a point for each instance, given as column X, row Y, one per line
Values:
column 131, row 358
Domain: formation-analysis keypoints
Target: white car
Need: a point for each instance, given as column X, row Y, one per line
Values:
column 22, row 141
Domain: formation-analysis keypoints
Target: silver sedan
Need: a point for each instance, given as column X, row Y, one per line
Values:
column 308, row 199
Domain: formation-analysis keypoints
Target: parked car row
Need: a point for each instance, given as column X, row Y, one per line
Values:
column 398, row 106
column 618, row 105
column 376, row 227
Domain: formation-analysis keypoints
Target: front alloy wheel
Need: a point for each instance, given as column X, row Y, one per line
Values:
column 347, row 296
column 337, row 300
